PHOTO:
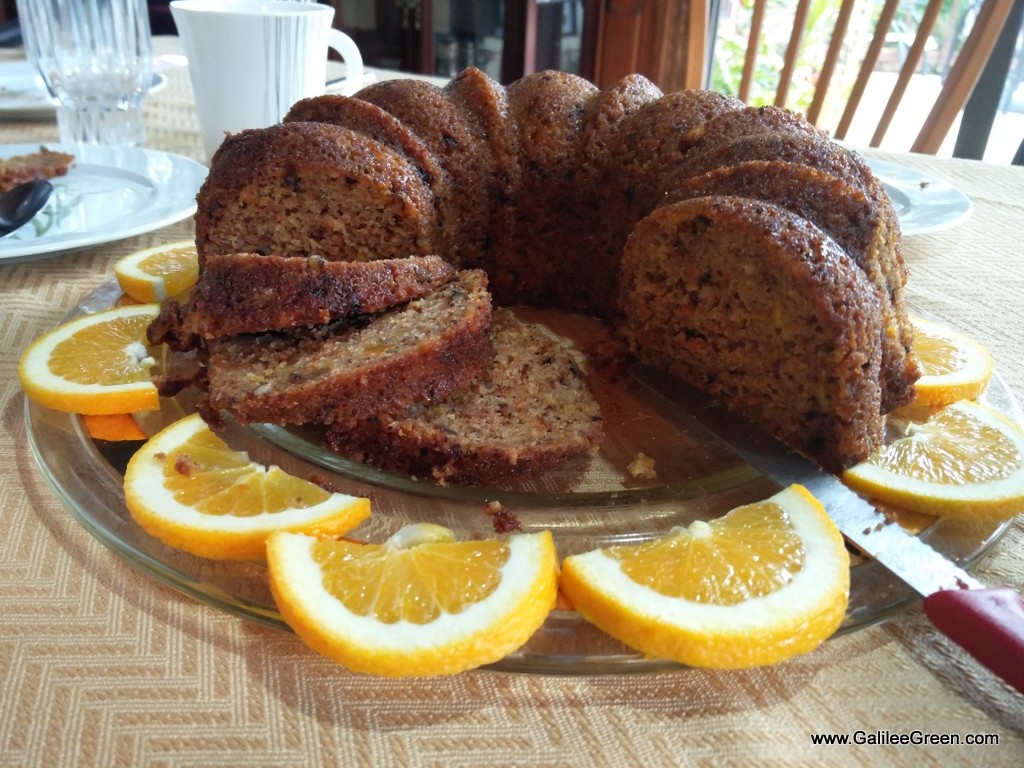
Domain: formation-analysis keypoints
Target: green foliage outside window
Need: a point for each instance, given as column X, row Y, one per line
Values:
column 730, row 45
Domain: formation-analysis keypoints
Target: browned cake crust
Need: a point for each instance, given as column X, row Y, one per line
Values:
column 595, row 272
column 647, row 145
column 764, row 311
column 248, row 293
column 350, row 198
column 730, row 125
column 483, row 104
column 529, row 411
column 845, row 214
column 344, row 372
column 528, row 266
column 460, row 148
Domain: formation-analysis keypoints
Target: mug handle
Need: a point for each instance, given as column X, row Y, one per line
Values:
column 349, row 52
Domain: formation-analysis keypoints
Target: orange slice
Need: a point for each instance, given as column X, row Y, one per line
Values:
column 765, row 582
column 186, row 487
column 114, row 427
column 158, row 273
column 418, row 605
column 965, row 460
column 96, row 364
column 953, row 366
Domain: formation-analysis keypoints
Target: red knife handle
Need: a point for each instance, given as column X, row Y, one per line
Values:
column 987, row 623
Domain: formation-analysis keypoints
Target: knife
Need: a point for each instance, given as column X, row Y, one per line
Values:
column 986, row 622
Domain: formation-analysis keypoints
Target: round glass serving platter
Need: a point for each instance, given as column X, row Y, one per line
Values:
column 657, row 468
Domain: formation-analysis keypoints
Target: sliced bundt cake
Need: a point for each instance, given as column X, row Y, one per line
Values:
column 351, row 370
column 737, row 247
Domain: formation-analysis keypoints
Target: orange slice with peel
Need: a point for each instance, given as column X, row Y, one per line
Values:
column 763, row 583
column 158, row 273
column 96, row 364
column 953, row 365
column 418, row 605
column 965, row 460
column 186, row 487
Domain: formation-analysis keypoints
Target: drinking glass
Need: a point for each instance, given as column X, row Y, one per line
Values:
column 96, row 59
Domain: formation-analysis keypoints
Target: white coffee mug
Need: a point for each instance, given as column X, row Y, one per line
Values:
column 250, row 60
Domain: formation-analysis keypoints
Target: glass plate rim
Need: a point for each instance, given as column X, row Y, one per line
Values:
column 36, row 418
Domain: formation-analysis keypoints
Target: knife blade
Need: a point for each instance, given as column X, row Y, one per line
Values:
column 986, row 622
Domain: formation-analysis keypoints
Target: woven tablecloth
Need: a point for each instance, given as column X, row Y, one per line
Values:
column 102, row 665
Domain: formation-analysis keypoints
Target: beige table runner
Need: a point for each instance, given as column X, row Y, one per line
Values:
column 101, row 665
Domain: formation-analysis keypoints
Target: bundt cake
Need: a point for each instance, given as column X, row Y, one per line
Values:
column 738, row 248
column 528, row 411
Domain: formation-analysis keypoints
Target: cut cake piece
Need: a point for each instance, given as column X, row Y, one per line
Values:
column 850, row 218
column 314, row 189
column 348, row 371
column 460, row 149
column 249, row 293
column 529, row 411
column 764, row 311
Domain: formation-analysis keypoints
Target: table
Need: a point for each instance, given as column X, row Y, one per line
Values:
column 102, row 665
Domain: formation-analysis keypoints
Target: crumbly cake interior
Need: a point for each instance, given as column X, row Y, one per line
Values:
column 529, row 408
column 765, row 327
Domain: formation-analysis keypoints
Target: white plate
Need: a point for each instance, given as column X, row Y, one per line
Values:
column 23, row 94
column 923, row 204
column 110, row 193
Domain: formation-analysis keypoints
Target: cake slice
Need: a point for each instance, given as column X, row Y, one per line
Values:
column 764, row 311
column 812, row 148
column 529, row 411
column 248, row 293
column 846, row 215
column 351, row 370
column 375, row 123
column 460, row 149
column 314, row 189
column 530, row 265
column 44, row 164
